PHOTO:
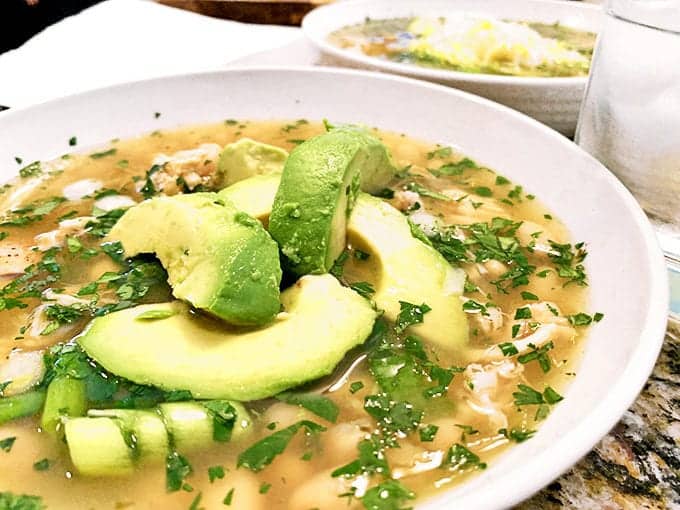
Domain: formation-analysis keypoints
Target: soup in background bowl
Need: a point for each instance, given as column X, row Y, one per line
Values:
column 503, row 67
column 421, row 408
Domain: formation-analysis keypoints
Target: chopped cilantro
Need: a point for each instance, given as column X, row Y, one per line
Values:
column 9, row 501
column 440, row 152
column 61, row 315
column 425, row 192
column 529, row 396
column 515, row 329
column 517, row 435
column 364, row 289
column 215, row 472
column 31, row 170
column 551, row 396
column 388, row 495
column 7, row 443
column 371, row 460
column 3, row 235
column 264, row 487
column 229, row 497
column 263, row 452
column 224, row 416
column 123, row 163
column 508, row 349
column 73, row 244
column 598, row 317
column 73, row 141
column 393, row 416
column 361, row 255
column 231, row 122
column 410, row 314
column 318, row 404
column 30, row 213
column 156, row 115
column 482, row 191
column 338, row 267
column 468, row 430
column 103, row 154
column 149, row 189
column 104, row 222
column 428, row 432
column 501, row 181
column 582, row 319
column 417, row 233
column 177, row 468
column 516, row 193
column 195, row 504
column 459, row 457
column 355, row 386
column 548, row 216
column 538, row 354
column 473, row 306
column 568, row 262
column 452, row 169
column 42, row 465
column 523, row 313
column 529, row 296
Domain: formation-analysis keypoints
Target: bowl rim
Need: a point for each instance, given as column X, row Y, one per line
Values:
column 543, row 468
column 312, row 32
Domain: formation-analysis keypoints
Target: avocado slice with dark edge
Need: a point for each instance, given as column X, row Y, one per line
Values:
column 219, row 259
column 322, row 321
column 399, row 267
column 319, row 185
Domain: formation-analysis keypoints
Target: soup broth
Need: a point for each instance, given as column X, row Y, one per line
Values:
column 524, row 301
column 475, row 45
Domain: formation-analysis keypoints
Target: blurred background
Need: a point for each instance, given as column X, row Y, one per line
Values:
column 28, row 17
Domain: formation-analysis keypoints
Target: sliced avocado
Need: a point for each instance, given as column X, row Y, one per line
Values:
column 246, row 158
column 402, row 268
column 320, row 181
column 254, row 195
column 322, row 321
column 218, row 258
column 382, row 231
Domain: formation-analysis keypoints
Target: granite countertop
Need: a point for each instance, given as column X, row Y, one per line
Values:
column 636, row 466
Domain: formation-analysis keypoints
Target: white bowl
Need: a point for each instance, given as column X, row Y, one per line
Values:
column 625, row 265
column 553, row 101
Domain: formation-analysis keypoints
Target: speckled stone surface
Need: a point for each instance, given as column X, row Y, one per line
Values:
column 637, row 466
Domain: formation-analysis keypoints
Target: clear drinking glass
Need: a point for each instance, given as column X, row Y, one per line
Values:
column 630, row 117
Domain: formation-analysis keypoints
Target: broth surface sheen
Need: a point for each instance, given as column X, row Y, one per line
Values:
column 525, row 298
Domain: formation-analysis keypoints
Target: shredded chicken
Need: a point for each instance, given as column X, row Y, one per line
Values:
column 23, row 369
column 486, row 323
column 489, row 389
column 193, row 168
column 404, row 200
column 110, row 202
column 74, row 227
column 14, row 259
column 543, row 327
column 38, row 320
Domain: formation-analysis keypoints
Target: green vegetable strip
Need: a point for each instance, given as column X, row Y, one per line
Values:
column 65, row 397
column 19, row 406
